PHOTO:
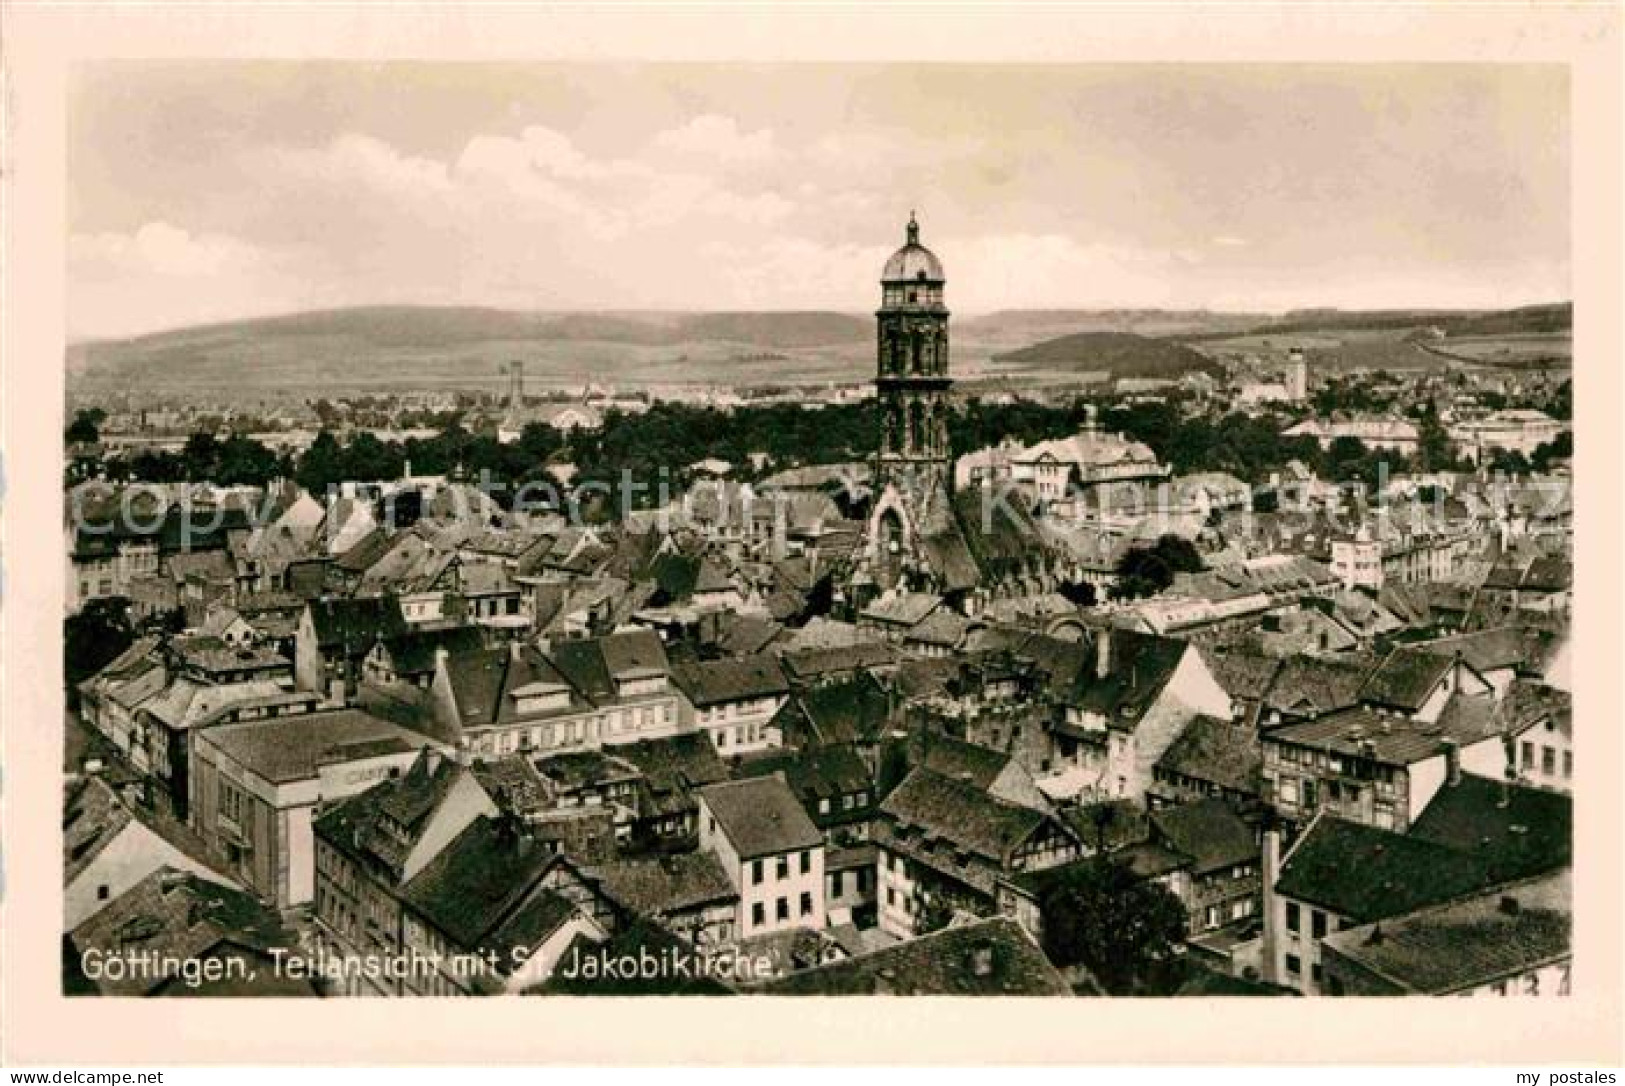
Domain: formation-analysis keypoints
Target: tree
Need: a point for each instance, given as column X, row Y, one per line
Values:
column 86, row 426
column 1125, row 930
column 94, row 637
column 1145, row 571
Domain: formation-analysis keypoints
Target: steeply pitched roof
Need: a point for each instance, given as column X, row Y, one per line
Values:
column 1363, row 873
column 1139, row 665
column 855, row 710
column 1514, row 830
column 176, row 916
column 355, row 623
column 988, row 957
column 761, row 817
column 482, row 891
column 1387, row 737
column 1463, row 944
column 666, row 885
column 1221, row 752
column 1210, row 832
column 1405, row 678
column 414, row 652
column 928, row 808
column 959, row 760
column 1308, row 685
column 715, row 682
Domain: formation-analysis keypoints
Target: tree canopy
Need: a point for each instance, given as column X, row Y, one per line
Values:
column 1125, row 930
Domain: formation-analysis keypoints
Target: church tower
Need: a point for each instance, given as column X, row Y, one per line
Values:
column 914, row 464
column 911, row 378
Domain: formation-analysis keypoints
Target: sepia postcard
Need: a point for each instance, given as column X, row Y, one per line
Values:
column 896, row 521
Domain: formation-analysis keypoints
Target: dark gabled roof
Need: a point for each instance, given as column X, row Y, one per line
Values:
column 805, row 664
column 177, row 916
column 1526, row 649
column 1245, row 676
column 667, row 884
column 1308, row 685
column 513, row 784
column 91, row 819
column 1363, row 873
column 1467, row 943
column 1527, row 704
column 929, row 807
column 1221, row 752
column 356, row 623
column 714, row 682
column 1390, row 738
column 855, row 710
column 366, row 552
column 1405, row 679
column 985, row 958
column 1139, row 665
column 591, row 665
column 355, row 825
column 761, row 817
column 814, row 773
column 1209, row 831
column 413, row 653
column 484, row 880
column 1514, row 830
column 1553, row 573
column 1107, row 824
column 959, row 760
column 674, row 763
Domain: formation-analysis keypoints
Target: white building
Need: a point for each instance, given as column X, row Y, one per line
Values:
column 771, row 851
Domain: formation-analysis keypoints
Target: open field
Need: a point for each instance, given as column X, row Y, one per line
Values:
column 1514, row 350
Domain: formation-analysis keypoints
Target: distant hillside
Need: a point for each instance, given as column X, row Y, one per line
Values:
column 1118, row 353
column 1024, row 327
column 1528, row 319
column 374, row 343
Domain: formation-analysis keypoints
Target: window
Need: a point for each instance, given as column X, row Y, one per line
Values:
column 782, row 868
column 781, row 908
column 1528, row 754
column 1548, row 761
column 823, row 805
column 1212, row 916
column 758, row 915
column 756, row 872
column 806, row 863
column 1317, row 973
column 1317, row 924
column 891, row 896
column 1309, row 793
column 103, row 892
column 837, row 884
column 1568, row 763
column 1293, row 965
column 1292, row 916
column 806, row 905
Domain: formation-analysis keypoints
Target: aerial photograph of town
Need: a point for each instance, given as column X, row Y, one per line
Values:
column 817, row 530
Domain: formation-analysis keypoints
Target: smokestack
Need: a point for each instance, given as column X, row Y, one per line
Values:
column 1271, row 861
column 1103, row 652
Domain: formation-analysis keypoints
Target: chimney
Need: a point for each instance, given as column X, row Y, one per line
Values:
column 516, row 650
column 1452, row 762
column 1271, row 865
column 1103, row 652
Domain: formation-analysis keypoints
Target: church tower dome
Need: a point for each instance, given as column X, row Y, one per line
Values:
column 913, row 263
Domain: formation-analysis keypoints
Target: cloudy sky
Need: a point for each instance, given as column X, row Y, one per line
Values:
column 203, row 192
